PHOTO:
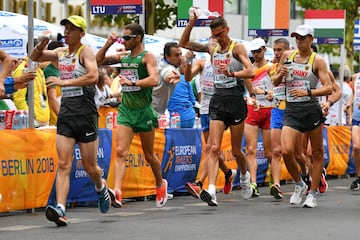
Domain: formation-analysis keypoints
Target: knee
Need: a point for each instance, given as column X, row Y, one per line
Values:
column 213, row 149
column 250, row 150
column 276, row 152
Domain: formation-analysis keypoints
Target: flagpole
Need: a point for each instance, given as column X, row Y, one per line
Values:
column 30, row 48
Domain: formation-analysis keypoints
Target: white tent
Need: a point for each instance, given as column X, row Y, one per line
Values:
column 14, row 34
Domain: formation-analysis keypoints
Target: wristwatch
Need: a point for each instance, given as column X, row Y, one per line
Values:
column 133, row 82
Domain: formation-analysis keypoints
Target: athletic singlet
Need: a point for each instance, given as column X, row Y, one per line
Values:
column 356, row 104
column 207, row 86
column 135, row 97
column 301, row 77
column 263, row 81
column 227, row 86
column 75, row 100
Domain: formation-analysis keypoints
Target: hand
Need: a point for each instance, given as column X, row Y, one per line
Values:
column 224, row 69
column 112, row 37
column 26, row 77
column 53, row 81
column 325, row 106
column 174, row 77
column 124, row 81
column 298, row 93
column 284, row 71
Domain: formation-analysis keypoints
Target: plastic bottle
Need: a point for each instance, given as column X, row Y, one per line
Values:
column 16, row 122
column 26, row 118
column 109, row 120
column 167, row 116
column 197, row 123
column 173, row 120
column 202, row 12
column 2, row 119
column 115, row 114
column 178, row 120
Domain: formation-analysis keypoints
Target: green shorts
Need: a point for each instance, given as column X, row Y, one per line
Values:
column 140, row 120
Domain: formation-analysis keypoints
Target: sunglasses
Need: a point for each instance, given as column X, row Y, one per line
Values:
column 128, row 37
column 218, row 34
column 257, row 51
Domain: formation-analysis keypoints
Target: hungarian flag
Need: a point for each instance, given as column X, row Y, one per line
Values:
column 326, row 23
column 269, row 14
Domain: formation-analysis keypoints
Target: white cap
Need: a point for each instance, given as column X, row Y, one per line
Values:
column 257, row 43
column 303, row 30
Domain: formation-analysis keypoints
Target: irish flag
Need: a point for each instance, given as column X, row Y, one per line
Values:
column 269, row 14
column 326, row 23
column 211, row 5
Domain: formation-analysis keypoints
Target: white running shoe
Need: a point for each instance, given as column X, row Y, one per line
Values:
column 209, row 198
column 310, row 201
column 299, row 191
column 246, row 189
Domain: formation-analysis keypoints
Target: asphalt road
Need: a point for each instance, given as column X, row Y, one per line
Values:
column 336, row 217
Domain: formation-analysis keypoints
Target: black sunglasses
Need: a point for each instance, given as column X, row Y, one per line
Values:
column 257, row 51
column 128, row 37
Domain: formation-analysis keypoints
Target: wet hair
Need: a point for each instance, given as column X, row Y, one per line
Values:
column 314, row 47
column 282, row 40
column 218, row 22
column 136, row 29
column 168, row 46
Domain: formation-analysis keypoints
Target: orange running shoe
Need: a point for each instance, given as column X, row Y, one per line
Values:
column 229, row 182
column 161, row 194
column 193, row 189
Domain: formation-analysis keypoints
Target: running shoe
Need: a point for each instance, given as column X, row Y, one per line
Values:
column 116, row 198
column 355, row 185
column 310, row 201
column 246, row 189
column 208, row 198
column 193, row 189
column 275, row 190
column 323, row 185
column 255, row 189
column 161, row 194
column 56, row 215
column 229, row 182
column 104, row 201
column 299, row 191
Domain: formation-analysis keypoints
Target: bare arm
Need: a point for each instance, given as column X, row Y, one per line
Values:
column 7, row 65
column 281, row 70
column 184, row 40
column 323, row 75
column 101, row 59
column 193, row 69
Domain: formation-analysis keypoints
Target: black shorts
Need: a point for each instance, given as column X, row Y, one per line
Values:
column 303, row 120
column 230, row 110
column 83, row 128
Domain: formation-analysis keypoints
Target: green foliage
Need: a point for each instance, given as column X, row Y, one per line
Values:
column 351, row 7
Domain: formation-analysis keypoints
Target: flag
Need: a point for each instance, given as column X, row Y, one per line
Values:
column 326, row 23
column 213, row 6
column 356, row 44
column 269, row 15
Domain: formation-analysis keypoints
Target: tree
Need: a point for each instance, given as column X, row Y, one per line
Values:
column 158, row 16
column 351, row 7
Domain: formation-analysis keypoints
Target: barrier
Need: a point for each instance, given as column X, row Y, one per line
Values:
column 29, row 163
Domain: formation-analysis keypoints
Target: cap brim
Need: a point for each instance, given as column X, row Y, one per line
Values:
column 293, row 34
column 64, row 21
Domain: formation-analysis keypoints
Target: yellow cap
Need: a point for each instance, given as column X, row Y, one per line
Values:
column 75, row 20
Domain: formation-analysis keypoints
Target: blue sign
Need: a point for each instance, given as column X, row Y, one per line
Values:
column 356, row 44
column 116, row 9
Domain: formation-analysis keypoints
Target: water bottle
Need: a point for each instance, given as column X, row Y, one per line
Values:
column 167, row 116
column 197, row 123
column 173, row 120
column 289, row 76
column 177, row 120
column 2, row 119
column 26, row 119
column 109, row 120
column 115, row 114
column 162, row 121
column 16, row 123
